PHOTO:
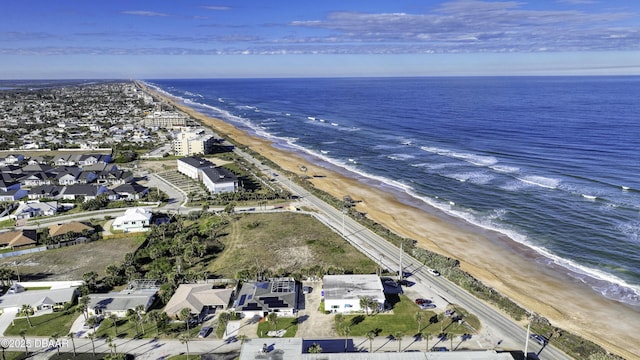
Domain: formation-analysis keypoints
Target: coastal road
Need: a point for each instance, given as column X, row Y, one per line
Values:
column 506, row 333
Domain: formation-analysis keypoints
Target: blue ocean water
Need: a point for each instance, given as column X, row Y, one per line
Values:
column 552, row 162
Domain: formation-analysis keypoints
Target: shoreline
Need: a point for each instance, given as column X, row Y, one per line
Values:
column 511, row 268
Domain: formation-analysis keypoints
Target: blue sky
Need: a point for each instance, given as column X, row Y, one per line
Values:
column 277, row 38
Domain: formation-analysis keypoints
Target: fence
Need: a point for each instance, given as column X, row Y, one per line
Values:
column 22, row 252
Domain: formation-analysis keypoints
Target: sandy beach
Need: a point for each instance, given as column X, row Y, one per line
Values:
column 508, row 267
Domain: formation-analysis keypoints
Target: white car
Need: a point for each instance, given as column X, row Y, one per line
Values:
column 433, row 272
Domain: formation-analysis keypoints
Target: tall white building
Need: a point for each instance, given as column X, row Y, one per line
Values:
column 192, row 142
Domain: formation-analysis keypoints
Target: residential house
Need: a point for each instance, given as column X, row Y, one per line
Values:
column 44, row 192
column 131, row 192
column 89, row 192
column 86, row 177
column 114, row 177
column 7, row 184
column 69, row 231
column 39, row 300
column 11, row 159
column 259, row 298
column 134, row 220
column 35, row 179
column 36, row 168
column 18, row 239
column 35, row 208
column 66, row 175
column 13, row 195
column 64, row 160
column 92, row 159
column 201, row 299
column 219, row 180
column 138, row 293
column 342, row 293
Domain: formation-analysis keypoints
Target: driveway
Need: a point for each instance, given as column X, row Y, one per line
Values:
column 314, row 324
column 6, row 318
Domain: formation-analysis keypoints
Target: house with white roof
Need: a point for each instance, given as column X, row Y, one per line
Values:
column 35, row 208
column 342, row 293
column 219, row 180
column 134, row 220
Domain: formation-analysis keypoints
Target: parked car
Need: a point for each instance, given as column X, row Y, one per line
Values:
column 439, row 348
column 427, row 306
column 205, row 331
column 92, row 322
column 307, row 289
column 423, row 301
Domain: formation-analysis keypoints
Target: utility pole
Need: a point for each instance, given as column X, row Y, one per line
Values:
column 401, row 251
column 526, row 341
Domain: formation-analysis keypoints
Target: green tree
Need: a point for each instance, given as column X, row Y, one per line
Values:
column 426, row 335
column 54, row 339
column 114, row 320
column 71, row 335
column 27, row 310
column 346, row 330
column 92, row 336
column 23, row 335
column 185, row 315
column 371, row 335
column 315, row 348
column 420, row 317
column 184, row 339
column 273, row 319
column 397, row 336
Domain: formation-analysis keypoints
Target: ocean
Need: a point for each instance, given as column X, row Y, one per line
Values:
column 551, row 162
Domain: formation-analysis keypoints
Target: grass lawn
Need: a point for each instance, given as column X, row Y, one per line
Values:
column 288, row 323
column 14, row 355
column 282, row 242
column 44, row 325
column 403, row 320
column 184, row 357
column 71, row 262
column 127, row 329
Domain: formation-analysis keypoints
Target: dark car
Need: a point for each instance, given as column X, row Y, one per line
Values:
column 422, row 301
column 205, row 331
column 439, row 348
column 539, row 339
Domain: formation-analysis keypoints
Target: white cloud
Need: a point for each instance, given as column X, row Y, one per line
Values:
column 143, row 13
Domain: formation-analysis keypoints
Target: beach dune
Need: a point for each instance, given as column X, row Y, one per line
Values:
column 510, row 268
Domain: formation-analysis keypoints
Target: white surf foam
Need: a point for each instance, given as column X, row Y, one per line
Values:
column 478, row 160
column 545, row 182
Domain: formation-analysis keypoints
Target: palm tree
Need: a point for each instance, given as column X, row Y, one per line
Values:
column 27, row 310
column 420, row 316
column 92, row 337
column 184, row 339
column 114, row 319
column 185, row 315
column 83, row 305
column 111, row 343
column 314, row 349
column 398, row 337
column 242, row 338
column 73, row 343
column 339, row 318
column 426, row 335
column 273, row 318
column 347, row 331
column 371, row 335
column 23, row 335
column 54, row 338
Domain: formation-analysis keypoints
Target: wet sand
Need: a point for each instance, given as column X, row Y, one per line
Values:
column 510, row 268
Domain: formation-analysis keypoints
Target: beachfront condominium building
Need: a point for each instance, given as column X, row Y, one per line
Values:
column 192, row 142
column 165, row 119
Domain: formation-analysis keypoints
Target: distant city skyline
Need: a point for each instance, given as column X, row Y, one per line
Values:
column 42, row 39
